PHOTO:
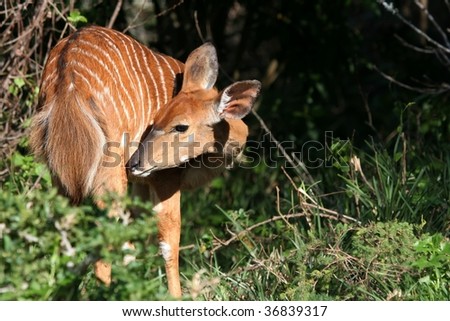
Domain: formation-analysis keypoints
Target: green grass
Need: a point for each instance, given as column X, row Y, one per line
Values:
column 375, row 226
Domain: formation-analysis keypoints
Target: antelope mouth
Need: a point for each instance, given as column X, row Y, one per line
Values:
column 146, row 172
column 140, row 172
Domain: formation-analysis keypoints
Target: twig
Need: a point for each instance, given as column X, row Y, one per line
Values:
column 447, row 4
column 412, row 47
column 164, row 12
column 329, row 214
column 368, row 111
column 187, row 247
column 390, row 8
column 68, row 249
column 404, row 158
column 250, row 228
column 115, row 13
column 62, row 17
column 298, row 189
column 36, row 183
column 335, row 215
column 131, row 25
column 443, row 58
column 279, row 208
column 270, row 268
column 197, row 27
column 305, row 176
column 442, row 89
column 435, row 24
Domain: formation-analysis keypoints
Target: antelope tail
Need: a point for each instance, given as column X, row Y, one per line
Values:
column 67, row 134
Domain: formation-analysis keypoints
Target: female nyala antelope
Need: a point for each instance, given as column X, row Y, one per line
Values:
column 102, row 93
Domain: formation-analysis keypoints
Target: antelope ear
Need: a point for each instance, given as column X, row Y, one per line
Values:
column 237, row 100
column 201, row 69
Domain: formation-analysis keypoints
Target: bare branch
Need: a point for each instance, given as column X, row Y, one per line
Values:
column 448, row 4
column 62, row 17
column 115, row 13
column 433, row 21
column 164, row 12
column 443, row 58
column 434, row 91
column 305, row 175
column 132, row 24
column 413, row 47
column 330, row 214
column 390, row 8
column 197, row 27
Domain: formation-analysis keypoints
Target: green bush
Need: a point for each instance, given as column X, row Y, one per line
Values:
column 382, row 237
column 49, row 247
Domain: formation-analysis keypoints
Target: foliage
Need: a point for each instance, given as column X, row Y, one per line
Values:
column 75, row 17
column 48, row 246
column 386, row 254
column 433, row 259
column 392, row 183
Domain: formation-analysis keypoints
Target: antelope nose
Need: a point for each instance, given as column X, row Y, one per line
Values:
column 133, row 163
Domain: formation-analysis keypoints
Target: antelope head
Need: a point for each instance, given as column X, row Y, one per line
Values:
column 190, row 124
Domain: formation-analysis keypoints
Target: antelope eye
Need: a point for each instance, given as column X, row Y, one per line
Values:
column 181, row 128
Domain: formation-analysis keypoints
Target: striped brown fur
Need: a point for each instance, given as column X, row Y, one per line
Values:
column 97, row 84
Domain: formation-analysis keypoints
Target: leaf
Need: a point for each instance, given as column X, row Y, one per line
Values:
column 425, row 279
column 397, row 156
column 19, row 82
column 422, row 263
column 17, row 160
column 75, row 17
column 446, row 249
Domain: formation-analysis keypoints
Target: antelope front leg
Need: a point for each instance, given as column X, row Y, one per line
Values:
column 169, row 225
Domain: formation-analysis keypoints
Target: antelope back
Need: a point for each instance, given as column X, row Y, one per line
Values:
column 123, row 81
column 98, row 84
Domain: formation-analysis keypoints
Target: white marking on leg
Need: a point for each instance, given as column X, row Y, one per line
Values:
column 158, row 208
column 166, row 251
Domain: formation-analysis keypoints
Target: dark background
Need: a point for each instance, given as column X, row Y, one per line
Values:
column 319, row 61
